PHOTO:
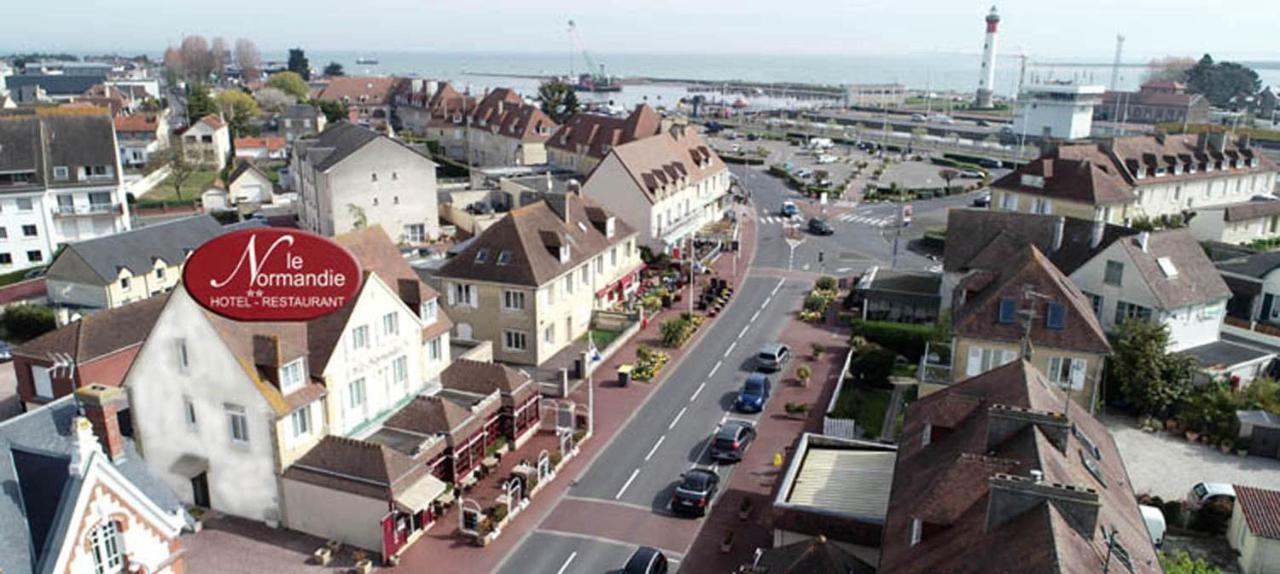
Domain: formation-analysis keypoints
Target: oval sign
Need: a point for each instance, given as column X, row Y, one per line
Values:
column 270, row 274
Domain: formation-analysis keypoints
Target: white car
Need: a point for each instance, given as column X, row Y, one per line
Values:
column 1154, row 518
column 1206, row 492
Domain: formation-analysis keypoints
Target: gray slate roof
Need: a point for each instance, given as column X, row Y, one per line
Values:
column 1196, row 280
column 39, row 140
column 56, row 85
column 340, row 140
column 1222, row 354
column 35, row 451
column 98, row 261
column 1257, row 266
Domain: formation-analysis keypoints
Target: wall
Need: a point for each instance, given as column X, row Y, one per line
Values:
column 144, row 286
column 1162, row 195
column 109, row 369
column 581, row 163
column 77, row 294
column 404, row 192
column 334, row 515
column 1026, row 202
column 148, row 544
column 611, row 186
column 242, row 189
column 1040, row 358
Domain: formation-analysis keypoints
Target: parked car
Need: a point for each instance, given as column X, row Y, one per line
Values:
column 917, row 117
column 754, row 394
column 971, row 174
column 983, row 123
column 772, row 357
column 646, row 560
column 6, row 351
column 1154, row 517
column 731, row 441
column 983, row 200
column 695, row 492
column 820, row 227
column 1206, row 492
column 944, row 119
column 990, row 163
column 789, row 209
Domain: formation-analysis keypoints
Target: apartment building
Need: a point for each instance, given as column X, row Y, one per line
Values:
column 207, row 143
column 501, row 130
column 300, row 121
column 369, row 99
column 60, row 182
column 586, row 138
column 531, row 281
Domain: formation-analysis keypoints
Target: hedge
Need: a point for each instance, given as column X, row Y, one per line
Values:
column 908, row 340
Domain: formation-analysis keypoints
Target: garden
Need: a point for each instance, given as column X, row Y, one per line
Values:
column 825, row 290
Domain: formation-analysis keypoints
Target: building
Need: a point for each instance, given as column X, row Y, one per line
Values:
column 1267, row 104
column 812, row 556
column 997, row 472
column 875, row 96
column 223, row 407
column 79, row 498
column 502, row 130
column 350, row 177
column 584, row 141
column 1056, row 111
column 667, row 187
column 95, row 349
column 987, row 77
column 531, row 282
column 115, row 270
column 1241, row 223
column 207, row 143
column 261, row 149
column 437, row 111
column 1255, row 529
column 300, row 121
column 899, row 296
column 61, row 85
column 369, row 99
column 248, row 184
column 1134, row 178
column 1254, row 281
column 520, row 402
column 60, row 175
column 140, row 136
column 1155, row 102
column 1028, row 309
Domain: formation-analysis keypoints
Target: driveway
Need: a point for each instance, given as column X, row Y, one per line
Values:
column 1168, row 466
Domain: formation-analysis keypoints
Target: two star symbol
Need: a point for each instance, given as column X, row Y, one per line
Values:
column 252, row 293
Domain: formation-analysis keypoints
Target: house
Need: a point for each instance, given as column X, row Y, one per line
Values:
column 519, row 407
column 1255, row 529
column 223, row 407
column 998, row 472
column 1029, row 310
column 300, row 121
column 898, row 296
column 1242, row 223
column 261, row 149
column 1128, row 179
column 502, row 130
column 215, row 197
column 61, row 85
column 351, row 176
column 207, row 143
column 111, row 271
column 60, row 175
column 78, row 496
column 437, row 111
column 368, row 99
column 248, row 184
column 125, row 99
column 586, row 138
column 1056, row 110
column 141, row 135
column 812, row 556
column 1268, row 103
column 531, row 282
column 667, row 186
column 97, row 348
column 1155, row 102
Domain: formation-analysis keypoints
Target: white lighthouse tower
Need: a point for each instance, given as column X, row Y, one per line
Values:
column 987, row 80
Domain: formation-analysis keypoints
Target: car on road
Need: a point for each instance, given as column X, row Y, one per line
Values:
column 646, row 560
column 990, row 163
column 731, row 441
column 819, row 226
column 918, row 117
column 983, row 123
column 971, row 174
column 789, row 209
column 772, row 357
column 982, row 200
column 944, row 119
column 754, row 394
column 695, row 492
column 1207, row 492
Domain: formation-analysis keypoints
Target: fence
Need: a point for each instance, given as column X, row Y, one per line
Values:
column 840, row 427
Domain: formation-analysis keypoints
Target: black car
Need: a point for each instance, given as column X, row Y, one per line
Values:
column 695, row 492
column 646, row 560
column 820, row 227
column 731, row 441
column 983, row 200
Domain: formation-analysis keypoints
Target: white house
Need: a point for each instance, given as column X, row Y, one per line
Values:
column 1056, row 110
column 248, row 184
column 140, row 136
column 1239, row 222
column 207, row 143
column 351, row 177
column 666, row 187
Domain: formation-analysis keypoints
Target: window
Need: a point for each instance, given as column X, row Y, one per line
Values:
column 360, row 337
column 1065, row 371
column 1114, row 273
column 916, row 528
column 6, row 259
column 159, row 272
column 391, row 324
column 35, row 256
column 60, row 172
column 599, row 264
column 482, row 255
column 300, row 422
column 4, row 233
column 124, row 283
column 24, row 204
column 373, row 176
column 30, row 231
column 1008, row 309
column 463, row 294
column 568, row 284
column 433, row 349
column 428, row 312
column 1095, row 301
column 43, row 382
column 513, row 300
column 515, row 340
column 415, row 233
column 291, row 376
column 400, row 370
column 238, row 423
column 1056, row 317
column 1009, row 202
column 549, row 334
column 355, row 395
column 1126, row 311
column 613, row 257
column 107, row 548
column 1042, row 206
column 180, row 351
column 926, row 437
column 189, row 411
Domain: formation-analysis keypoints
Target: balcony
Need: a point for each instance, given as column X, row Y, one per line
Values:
column 86, row 210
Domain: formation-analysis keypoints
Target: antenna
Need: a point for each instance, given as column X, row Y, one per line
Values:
column 1115, row 66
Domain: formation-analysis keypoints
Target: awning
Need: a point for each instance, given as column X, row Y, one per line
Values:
column 189, row 466
column 420, row 494
column 622, row 282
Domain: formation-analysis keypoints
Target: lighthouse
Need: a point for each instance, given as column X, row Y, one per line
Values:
column 986, row 81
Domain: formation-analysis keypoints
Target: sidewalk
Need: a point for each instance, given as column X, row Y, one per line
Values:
column 440, row 551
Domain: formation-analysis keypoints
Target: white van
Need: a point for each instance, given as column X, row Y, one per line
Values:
column 1205, row 492
column 1154, row 517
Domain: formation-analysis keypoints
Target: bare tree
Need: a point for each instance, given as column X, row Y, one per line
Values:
column 273, row 99
column 1171, row 68
column 173, row 62
column 218, row 55
column 196, row 59
column 248, row 60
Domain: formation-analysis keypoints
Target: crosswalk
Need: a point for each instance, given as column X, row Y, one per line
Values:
column 851, row 217
column 866, row 219
column 778, row 219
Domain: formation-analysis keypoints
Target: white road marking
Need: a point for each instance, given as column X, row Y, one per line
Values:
column 730, row 349
column 725, row 417
column 714, row 369
column 777, row 287
column 743, row 331
column 755, row 316
column 655, row 447
column 806, row 266
column 698, row 392
column 843, row 270
column 627, row 485
column 567, row 562
column 677, row 419
column 766, row 301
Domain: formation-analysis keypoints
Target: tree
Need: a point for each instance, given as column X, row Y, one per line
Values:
column 180, row 170
column 239, row 110
column 299, row 64
column 333, row 110
column 199, row 103
column 334, row 69
column 558, row 100
column 173, row 65
column 1169, row 68
column 273, row 99
column 290, row 83
column 948, row 174
column 248, row 60
column 1150, row 378
column 218, row 56
column 197, row 62
column 22, row 323
column 1221, row 81
column 1183, row 563
column 359, row 220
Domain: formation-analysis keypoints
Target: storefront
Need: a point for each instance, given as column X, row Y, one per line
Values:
column 411, row 514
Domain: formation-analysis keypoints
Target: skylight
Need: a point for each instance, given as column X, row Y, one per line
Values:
column 1166, row 265
column 504, row 257
column 482, row 254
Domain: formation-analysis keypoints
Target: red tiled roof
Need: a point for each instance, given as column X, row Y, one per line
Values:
column 136, row 123
column 668, row 159
column 99, row 334
column 504, row 113
column 269, row 142
column 1261, row 508
column 597, row 133
column 376, row 91
column 212, row 120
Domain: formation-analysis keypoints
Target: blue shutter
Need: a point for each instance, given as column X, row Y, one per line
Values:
column 1008, row 309
column 1056, row 318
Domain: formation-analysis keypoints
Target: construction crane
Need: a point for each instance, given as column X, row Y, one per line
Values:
column 594, row 80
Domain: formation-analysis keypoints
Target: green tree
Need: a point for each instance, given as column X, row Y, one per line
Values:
column 334, row 69
column 239, row 109
column 1183, row 563
column 1150, row 378
column 199, row 103
column 290, row 83
column 358, row 218
column 299, row 64
column 333, row 111
column 25, row 322
column 558, row 100
column 1221, row 81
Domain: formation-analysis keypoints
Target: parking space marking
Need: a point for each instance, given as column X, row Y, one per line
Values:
column 655, row 447
column 624, row 488
column 567, row 562
column 677, row 419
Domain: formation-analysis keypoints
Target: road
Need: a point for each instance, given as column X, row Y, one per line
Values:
column 622, row 500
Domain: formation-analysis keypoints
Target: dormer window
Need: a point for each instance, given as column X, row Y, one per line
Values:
column 60, row 172
column 291, row 376
column 1035, row 181
column 428, row 312
column 609, row 226
column 482, row 255
column 564, row 254
column 1160, row 171
column 926, row 437
column 1141, row 173
column 504, row 257
column 917, row 528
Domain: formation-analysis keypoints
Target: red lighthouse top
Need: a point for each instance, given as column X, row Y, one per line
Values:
column 993, row 20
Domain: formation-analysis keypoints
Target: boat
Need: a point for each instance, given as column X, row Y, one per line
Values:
column 741, row 103
column 597, row 83
column 367, row 61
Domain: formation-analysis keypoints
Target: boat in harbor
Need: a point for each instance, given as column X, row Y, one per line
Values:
column 367, row 61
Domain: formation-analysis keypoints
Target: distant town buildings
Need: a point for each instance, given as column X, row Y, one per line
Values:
column 584, row 140
column 369, row 99
column 1155, row 102
column 502, row 130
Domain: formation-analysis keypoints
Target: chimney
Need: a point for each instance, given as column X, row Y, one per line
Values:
column 1095, row 234
column 1004, row 421
column 1202, row 142
column 1218, row 141
column 83, row 445
column 102, row 405
column 1059, row 228
column 1010, row 496
column 266, row 350
column 1143, row 238
column 409, row 293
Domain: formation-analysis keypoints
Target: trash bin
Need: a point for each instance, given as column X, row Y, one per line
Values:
column 624, row 375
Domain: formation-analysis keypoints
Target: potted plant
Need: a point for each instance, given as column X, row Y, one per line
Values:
column 726, row 543
column 803, row 373
column 818, row 350
column 500, row 513
column 744, row 507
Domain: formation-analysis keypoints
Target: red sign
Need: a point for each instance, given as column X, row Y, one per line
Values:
column 270, row 274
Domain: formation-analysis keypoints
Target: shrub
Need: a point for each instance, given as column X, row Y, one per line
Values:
column 872, row 365
column 499, row 513
column 555, row 457
column 905, row 339
column 25, row 322
column 1213, row 517
column 675, row 332
column 818, row 349
column 825, row 283
column 1184, row 563
column 816, row 303
column 803, row 372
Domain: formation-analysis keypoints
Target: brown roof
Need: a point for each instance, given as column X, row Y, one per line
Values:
column 977, row 311
column 659, row 164
column 983, row 238
column 1251, row 210
column 1153, row 99
column 243, row 339
column 136, row 123
column 359, row 467
column 1082, row 173
column 437, row 414
column 485, row 378
column 503, row 112
column 1195, row 281
column 597, row 133
column 1261, row 508
column 212, row 120
column 527, row 235
column 1165, row 151
column 446, row 105
column 1010, row 423
column 269, row 142
column 375, row 91
column 812, row 556
column 99, row 334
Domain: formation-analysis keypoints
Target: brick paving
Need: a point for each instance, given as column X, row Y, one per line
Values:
column 231, row 544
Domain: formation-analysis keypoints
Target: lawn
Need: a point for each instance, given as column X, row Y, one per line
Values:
column 603, row 338
column 191, row 188
column 865, row 405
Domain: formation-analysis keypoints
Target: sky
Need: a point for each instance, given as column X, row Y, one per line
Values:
column 1043, row 30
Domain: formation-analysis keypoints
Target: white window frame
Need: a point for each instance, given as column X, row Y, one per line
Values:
column 237, row 425
column 300, row 423
column 106, row 548
column 429, row 311
column 42, row 380
column 357, row 390
column 400, row 371
column 512, row 300
column 184, row 357
column 189, row 413
column 391, row 323
column 360, row 337
column 917, row 530
column 433, row 349
column 292, row 376
column 512, row 336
